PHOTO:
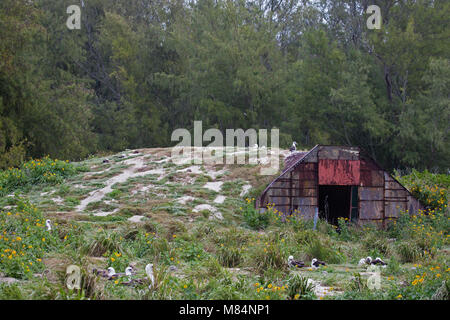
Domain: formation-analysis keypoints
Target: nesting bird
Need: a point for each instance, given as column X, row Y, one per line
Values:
column 129, row 272
column 370, row 261
column 295, row 263
column 316, row 263
column 379, row 261
column 362, row 262
column 293, row 147
column 113, row 275
column 48, row 224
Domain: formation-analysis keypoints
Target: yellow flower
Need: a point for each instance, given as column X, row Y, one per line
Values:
column 269, row 286
column 116, row 282
column 297, row 296
column 112, row 259
column 185, row 286
column 43, row 239
column 399, row 296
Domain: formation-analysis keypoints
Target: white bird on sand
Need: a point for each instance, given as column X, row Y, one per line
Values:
column 295, row 263
column 316, row 263
column 293, row 147
column 149, row 272
column 48, row 224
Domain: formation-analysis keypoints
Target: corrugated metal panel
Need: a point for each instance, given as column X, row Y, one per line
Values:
column 395, row 197
column 367, row 193
column 371, row 203
column 339, row 172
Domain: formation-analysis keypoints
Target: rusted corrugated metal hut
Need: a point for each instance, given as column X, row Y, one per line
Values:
column 337, row 181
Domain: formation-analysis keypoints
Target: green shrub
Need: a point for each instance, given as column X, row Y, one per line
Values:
column 431, row 189
column 34, row 172
column 24, row 240
column 255, row 219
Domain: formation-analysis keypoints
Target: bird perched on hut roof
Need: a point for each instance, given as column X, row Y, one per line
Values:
column 295, row 263
column 316, row 263
column 293, row 147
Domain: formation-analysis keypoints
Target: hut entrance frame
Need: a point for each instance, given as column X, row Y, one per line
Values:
column 337, row 201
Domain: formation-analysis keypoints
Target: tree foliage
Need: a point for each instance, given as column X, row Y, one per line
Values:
column 137, row 70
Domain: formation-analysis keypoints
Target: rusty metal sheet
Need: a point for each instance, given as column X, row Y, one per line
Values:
column 306, row 171
column 392, row 209
column 371, row 176
column 339, row 172
column 370, row 193
column 371, row 209
column 311, row 157
column 307, row 202
column 394, row 185
column 398, row 193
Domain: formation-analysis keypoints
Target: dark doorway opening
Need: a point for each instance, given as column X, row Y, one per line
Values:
column 334, row 202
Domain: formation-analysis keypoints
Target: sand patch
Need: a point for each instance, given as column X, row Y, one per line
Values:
column 192, row 169
column 105, row 213
column 136, row 164
column 136, row 219
column 185, row 199
column 245, row 189
column 219, row 199
column 206, row 207
column 214, row 186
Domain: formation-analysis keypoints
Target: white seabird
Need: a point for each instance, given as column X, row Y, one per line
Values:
column 149, row 272
column 316, row 263
column 48, row 224
column 295, row 263
column 362, row 262
column 293, row 147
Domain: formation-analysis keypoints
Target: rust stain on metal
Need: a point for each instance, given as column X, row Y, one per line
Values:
column 339, row 172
